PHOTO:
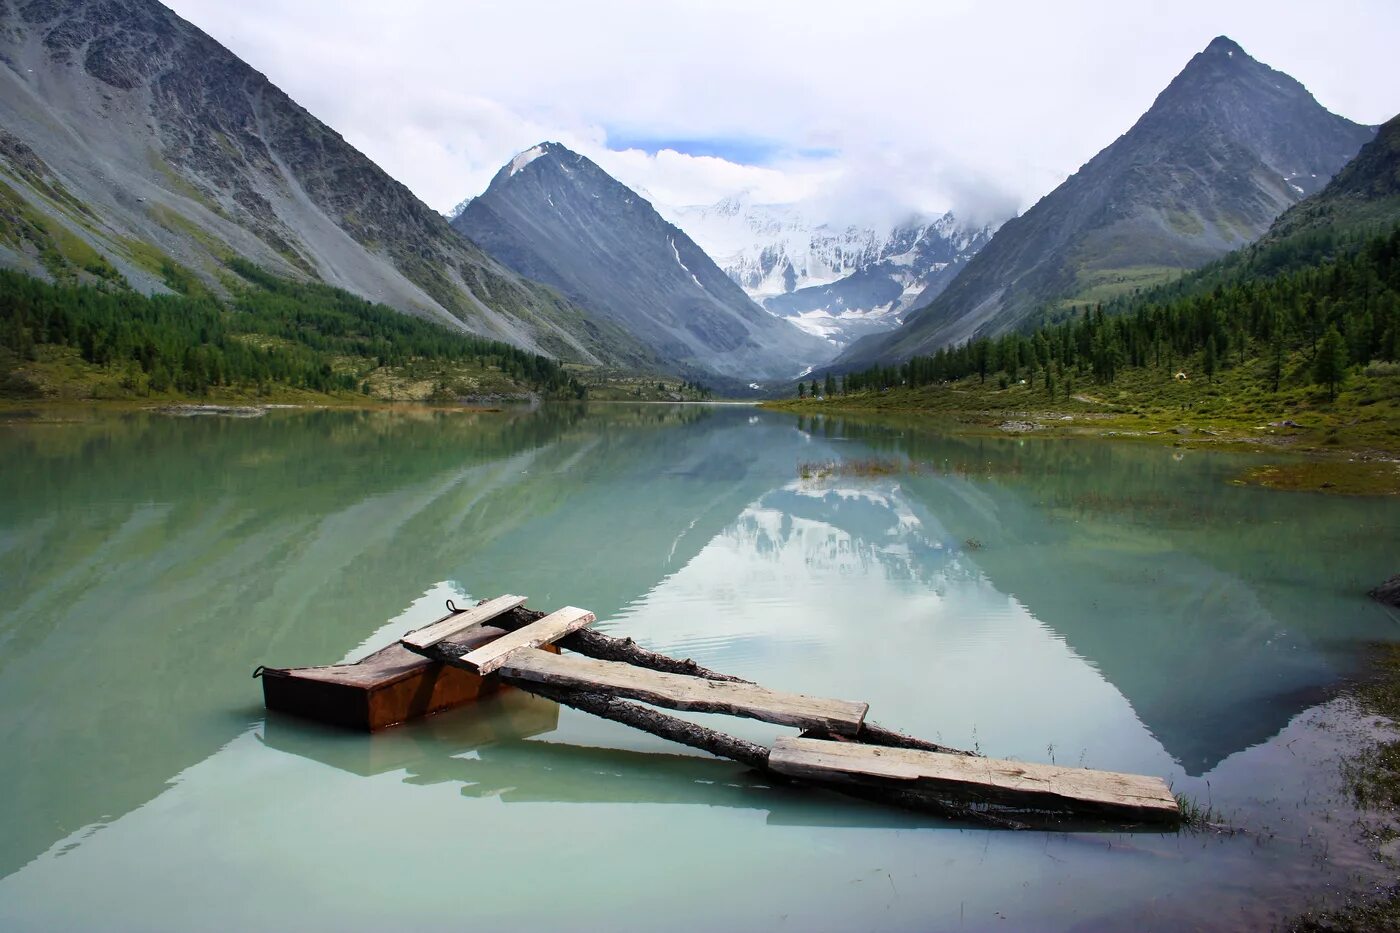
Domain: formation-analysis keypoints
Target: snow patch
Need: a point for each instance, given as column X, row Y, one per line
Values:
column 677, row 253
column 525, row 158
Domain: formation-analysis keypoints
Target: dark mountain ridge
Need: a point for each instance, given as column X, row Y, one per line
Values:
column 1224, row 149
column 132, row 141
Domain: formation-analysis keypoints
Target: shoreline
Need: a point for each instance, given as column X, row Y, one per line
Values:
column 1371, row 772
column 1310, row 457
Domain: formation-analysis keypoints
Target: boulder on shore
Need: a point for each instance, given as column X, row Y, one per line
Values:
column 1388, row 592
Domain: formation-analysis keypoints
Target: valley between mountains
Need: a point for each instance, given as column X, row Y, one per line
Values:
column 148, row 166
column 1023, row 379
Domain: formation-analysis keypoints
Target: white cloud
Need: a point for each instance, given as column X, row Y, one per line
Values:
column 977, row 106
column 671, row 177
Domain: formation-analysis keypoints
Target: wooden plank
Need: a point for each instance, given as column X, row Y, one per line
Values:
column 988, row 780
column 675, row 729
column 551, row 628
column 679, row 691
column 455, row 624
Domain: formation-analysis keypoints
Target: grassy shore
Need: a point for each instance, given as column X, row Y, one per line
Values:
column 61, row 375
column 608, row 384
column 1349, row 445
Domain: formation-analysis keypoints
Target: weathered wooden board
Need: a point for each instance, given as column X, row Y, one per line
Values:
column 990, row 780
column 679, row 691
column 456, row 624
column 551, row 628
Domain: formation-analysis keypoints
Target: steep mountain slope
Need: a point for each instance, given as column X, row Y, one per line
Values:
column 1226, row 148
column 1366, row 192
column 133, row 145
column 838, row 284
column 555, row 216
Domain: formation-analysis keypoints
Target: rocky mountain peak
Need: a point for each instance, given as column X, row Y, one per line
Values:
column 1223, row 45
column 554, row 215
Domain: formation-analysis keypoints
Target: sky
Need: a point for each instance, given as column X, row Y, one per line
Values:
column 861, row 112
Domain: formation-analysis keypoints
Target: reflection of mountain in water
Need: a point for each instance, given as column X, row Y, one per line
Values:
column 1218, row 612
column 150, row 563
column 867, row 526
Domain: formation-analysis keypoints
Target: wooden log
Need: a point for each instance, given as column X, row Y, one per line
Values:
column 453, row 626
column 683, row 732
column 754, row 756
column 678, row 691
column 606, row 648
column 659, row 724
column 551, row 628
column 872, row 734
column 979, row 780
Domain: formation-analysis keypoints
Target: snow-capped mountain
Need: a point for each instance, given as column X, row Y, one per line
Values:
column 574, row 227
column 773, row 249
column 840, row 284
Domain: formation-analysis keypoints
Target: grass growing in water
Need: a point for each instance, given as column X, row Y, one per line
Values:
column 1194, row 815
column 876, row 467
column 865, row 467
column 1373, row 777
column 1350, row 478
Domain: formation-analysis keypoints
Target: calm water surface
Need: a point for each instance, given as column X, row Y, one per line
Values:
column 1112, row 605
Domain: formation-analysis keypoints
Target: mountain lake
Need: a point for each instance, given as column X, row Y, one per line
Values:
column 1108, row 604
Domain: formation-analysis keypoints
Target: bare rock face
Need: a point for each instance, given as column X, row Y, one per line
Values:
column 170, row 149
column 1388, row 592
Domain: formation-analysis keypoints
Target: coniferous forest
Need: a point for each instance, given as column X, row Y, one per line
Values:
column 272, row 333
column 1333, row 298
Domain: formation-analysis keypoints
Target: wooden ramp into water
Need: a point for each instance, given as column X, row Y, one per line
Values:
column 839, row 750
column 471, row 653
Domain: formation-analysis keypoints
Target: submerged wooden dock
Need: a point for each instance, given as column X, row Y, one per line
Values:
column 501, row 643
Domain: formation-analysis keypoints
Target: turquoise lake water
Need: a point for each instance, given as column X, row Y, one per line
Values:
column 1114, row 605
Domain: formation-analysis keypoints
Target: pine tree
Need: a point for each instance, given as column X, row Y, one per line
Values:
column 1276, row 358
column 1330, row 367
